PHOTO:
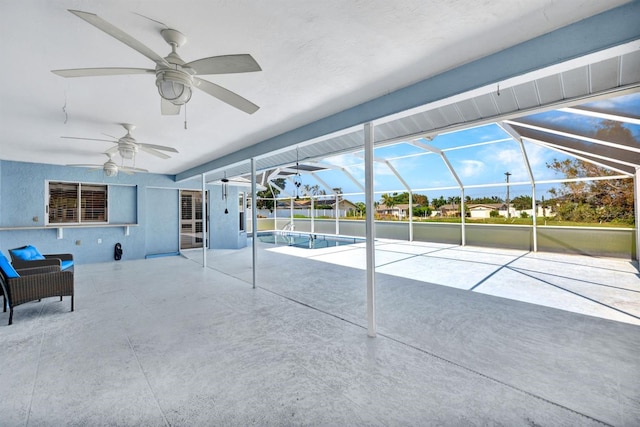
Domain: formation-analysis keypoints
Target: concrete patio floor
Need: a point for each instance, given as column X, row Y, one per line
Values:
column 165, row 342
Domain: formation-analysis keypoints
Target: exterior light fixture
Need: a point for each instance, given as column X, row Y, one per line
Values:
column 174, row 85
column 225, row 186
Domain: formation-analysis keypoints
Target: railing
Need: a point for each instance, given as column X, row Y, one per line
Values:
column 285, row 233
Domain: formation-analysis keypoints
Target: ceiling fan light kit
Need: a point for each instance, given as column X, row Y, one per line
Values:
column 174, row 86
column 110, row 168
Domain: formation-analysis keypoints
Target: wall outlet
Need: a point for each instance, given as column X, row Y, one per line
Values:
column 36, row 219
column 78, row 242
column 99, row 241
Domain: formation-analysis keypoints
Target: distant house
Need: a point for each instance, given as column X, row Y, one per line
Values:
column 399, row 211
column 448, row 210
column 483, row 210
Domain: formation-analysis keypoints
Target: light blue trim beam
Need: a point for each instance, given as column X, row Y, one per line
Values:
column 605, row 30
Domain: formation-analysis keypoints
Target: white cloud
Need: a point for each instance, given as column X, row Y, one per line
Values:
column 344, row 160
column 470, row 168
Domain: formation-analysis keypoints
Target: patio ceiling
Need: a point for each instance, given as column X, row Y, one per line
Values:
column 568, row 88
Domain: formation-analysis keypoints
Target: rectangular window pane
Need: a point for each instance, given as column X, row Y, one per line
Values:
column 187, row 207
column 93, row 202
column 63, row 202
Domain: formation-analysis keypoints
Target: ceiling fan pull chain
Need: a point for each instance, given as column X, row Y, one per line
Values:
column 64, row 109
column 185, row 116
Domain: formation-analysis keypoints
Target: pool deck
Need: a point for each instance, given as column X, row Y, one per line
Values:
column 604, row 287
column 165, row 342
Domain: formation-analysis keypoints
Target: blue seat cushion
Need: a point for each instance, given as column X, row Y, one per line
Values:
column 7, row 268
column 66, row 264
column 28, row 253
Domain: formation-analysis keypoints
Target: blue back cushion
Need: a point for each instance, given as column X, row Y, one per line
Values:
column 7, row 268
column 65, row 264
column 27, row 253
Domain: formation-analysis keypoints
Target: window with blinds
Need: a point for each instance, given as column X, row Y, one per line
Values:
column 71, row 202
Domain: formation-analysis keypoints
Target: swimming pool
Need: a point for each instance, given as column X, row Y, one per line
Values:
column 306, row 240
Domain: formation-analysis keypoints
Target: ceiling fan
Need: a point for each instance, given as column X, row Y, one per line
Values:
column 128, row 147
column 175, row 78
column 110, row 168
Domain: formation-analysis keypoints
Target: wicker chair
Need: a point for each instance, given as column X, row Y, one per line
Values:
column 29, row 257
column 30, row 284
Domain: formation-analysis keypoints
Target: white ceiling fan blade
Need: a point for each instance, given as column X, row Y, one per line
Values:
column 225, row 64
column 225, row 95
column 92, row 72
column 157, row 147
column 168, row 109
column 120, row 35
column 89, row 139
column 127, row 169
column 93, row 167
column 154, row 152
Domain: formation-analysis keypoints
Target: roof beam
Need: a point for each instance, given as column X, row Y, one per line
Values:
column 585, row 156
column 573, row 136
column 601, row 115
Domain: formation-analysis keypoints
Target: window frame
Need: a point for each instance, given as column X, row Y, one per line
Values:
column 78, row 206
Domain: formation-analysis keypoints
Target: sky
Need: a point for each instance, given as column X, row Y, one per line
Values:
column 479, row 155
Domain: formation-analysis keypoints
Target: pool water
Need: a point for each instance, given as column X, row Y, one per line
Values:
column 307, row 240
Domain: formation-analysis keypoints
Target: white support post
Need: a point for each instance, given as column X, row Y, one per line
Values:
column 337, row 211
column 291, row 213
column 463, row 217
column 313, row 215
column 636, row 202
column 515, row 135
column 254, row 220
column 204, row 222
column 275, row 212
column 370, row 229
column 535, row 217
column 410, row 216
